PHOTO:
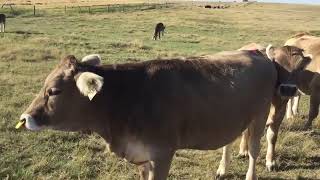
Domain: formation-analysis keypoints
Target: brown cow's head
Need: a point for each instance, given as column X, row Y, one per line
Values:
column 289, row 61
column 62, row 102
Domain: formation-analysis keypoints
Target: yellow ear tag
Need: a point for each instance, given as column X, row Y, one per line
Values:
column 20, row 123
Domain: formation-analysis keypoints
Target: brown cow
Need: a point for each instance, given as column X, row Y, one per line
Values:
column 146, row 111
column 2, row 22
column 158, row 31
column 309, row 80
column 288, row 60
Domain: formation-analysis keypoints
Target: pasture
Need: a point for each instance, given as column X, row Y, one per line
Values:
column 32, row 46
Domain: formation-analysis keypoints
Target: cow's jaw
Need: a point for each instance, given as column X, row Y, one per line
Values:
column 30, row 122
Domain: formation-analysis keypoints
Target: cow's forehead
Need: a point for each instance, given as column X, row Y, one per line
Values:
column 55, row 75
column 289, row 50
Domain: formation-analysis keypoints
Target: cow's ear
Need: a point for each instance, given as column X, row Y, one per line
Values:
column 89, row 84
column 92, row 59
column 270, row 52
column 307, row 55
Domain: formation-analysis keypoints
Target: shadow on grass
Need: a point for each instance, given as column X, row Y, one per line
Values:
column 24, row 32
column 243, row 176
column 310, row 163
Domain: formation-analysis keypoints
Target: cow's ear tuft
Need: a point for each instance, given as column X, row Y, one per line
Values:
column 270, row 52
column 89, row 84
column 92, row 59
column 69, row 61
column 307, row 55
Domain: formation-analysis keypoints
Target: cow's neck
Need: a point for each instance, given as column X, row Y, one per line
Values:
column 114, row 106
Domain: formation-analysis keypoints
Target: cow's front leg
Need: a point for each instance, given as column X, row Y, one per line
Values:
column 160, row 167
column 295, row 105
column 289, row 112
column 144, row 171
column 276, row 115
column 243, row 148
column 225, row 161
column 314, row 108
column 314, row 101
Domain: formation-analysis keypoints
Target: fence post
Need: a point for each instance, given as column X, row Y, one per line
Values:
column 89, row 9
column 108, row 7
column 65, row 9
column 34, row 10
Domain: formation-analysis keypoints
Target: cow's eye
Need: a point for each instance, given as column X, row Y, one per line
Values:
column 296, row 53
column 54, row 91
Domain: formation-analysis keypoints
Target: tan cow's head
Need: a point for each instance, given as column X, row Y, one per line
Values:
column 289, row 61
column 62, row 101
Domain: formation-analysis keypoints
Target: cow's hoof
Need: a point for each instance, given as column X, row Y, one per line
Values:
column 243, row 155
column 221, row 173
column 271, row 166
column 290, row 118
column 220, row 176
column 307, row 127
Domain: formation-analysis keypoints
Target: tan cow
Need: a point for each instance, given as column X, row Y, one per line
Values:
column 309, row 80
column 288, row 60
column 146, row 111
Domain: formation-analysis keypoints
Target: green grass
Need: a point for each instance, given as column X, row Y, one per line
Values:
column 32, row 46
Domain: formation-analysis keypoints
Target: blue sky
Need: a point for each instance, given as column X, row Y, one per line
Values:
column 294, row 1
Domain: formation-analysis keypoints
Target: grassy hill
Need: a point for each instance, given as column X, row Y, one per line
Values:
column 32, row 46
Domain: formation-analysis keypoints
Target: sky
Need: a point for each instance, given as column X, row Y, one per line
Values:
column 281, row 1
column 293, row 1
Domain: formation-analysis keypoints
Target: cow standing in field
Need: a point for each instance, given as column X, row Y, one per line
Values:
column 2, row 22
column 309, row 80
column 287, row 60
column 146, row 111
column 158, row 30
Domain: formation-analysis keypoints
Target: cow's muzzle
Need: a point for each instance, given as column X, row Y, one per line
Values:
column 30, row 122
column 287, row 90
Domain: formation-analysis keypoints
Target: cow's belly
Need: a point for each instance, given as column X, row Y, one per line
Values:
column 214, row 135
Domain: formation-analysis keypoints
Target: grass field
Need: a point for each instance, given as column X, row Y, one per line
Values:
column 32, row 46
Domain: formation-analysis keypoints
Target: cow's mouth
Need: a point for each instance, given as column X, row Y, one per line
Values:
column 288, row 90
column 20, row 124
column 29, row 122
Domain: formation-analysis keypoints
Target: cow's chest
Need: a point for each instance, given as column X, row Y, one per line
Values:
column 136, row 152
column 133, row 151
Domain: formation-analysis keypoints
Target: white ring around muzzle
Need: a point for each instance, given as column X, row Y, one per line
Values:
column 289, row 85
column 30, row 122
